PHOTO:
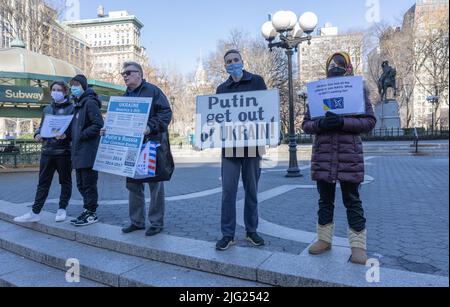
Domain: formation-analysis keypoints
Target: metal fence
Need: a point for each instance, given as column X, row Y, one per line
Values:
column 19, row 153
column 392, row 134
column 26, row 153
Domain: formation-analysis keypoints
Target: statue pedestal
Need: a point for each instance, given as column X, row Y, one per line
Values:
column 387, row 114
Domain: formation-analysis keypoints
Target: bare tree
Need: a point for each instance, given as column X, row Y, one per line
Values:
column 271, row 65
column 432, row 49
column 29, row 21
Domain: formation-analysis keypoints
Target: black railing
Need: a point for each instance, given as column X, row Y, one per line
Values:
column 416, row 140
column 19, row 153
column 392, row 134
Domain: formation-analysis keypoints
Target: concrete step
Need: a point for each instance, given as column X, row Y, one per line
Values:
column 251, row 264
column 17, row 271
column 104, row 266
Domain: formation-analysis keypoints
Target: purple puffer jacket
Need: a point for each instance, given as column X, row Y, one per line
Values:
column 338, row 156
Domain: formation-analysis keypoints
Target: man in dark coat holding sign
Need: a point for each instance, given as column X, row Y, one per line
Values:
column 236, row 159
column 156, row 130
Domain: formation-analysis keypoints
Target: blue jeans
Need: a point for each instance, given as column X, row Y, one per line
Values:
column 231, row 171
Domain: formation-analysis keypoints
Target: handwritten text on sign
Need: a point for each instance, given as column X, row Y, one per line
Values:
column 242, row 119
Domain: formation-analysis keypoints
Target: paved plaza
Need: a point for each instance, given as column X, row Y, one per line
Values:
column 405, row 199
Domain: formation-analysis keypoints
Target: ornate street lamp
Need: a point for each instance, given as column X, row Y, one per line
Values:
column 290, row 35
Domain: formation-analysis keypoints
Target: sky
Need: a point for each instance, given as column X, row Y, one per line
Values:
column 177, row 33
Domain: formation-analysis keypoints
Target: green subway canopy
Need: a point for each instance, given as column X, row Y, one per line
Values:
column 25, row 77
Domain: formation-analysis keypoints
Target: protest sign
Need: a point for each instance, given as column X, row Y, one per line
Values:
column 55, row 125
column 125, row 123
column 342, row 96
column 243, row 119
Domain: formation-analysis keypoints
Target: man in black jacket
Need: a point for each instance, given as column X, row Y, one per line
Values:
column 86, row 127
column 55, row 157
column 156, row 130
column 235, row 160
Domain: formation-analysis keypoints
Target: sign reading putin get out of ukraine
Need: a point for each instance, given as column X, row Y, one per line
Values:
column 243, row 119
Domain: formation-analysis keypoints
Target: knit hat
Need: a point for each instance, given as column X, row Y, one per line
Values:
column 82, row 80
column 347, row 65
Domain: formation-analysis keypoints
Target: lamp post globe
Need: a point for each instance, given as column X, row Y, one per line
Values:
column 308, row 22
column 290, row 35
column 268, row 31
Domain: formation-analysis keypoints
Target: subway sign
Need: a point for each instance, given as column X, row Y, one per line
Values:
column 21, row 94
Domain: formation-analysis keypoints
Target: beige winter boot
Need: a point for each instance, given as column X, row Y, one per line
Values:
column 324, row 240
column 358, row 245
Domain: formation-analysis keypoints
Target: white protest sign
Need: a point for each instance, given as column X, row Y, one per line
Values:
column 125, row 123
column 343, row 96
column 243, row 119
column 55, row 125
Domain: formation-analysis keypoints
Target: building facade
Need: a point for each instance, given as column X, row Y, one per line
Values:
column 66, row 44
column 114, row 39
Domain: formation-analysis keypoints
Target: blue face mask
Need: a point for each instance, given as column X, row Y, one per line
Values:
column 236, row 70
column 77, row 91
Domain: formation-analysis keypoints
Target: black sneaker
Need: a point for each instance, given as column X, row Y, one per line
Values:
column 255, row 239
column 131, row 228
column 225, row 243
column 81, row 217
column 152, row 231
column 88, row 219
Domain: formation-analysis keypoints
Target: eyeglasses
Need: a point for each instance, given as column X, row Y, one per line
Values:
column 128, row 72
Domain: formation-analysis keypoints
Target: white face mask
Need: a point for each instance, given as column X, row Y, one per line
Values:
column 58, row 97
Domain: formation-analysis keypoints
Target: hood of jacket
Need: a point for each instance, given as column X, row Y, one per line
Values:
column 87, row 95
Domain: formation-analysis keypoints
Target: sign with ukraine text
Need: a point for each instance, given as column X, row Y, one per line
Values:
column 125, row 123
column 342, row 96
column 243, row 119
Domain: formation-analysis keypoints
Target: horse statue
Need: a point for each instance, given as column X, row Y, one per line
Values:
column 387, row 80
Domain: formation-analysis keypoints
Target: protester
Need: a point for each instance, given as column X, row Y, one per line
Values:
column 55, row 157
column 156, row 130
column 338, row 157
column 236, row 160
column 86, row 127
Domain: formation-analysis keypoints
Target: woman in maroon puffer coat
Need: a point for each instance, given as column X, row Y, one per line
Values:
column 338, row 156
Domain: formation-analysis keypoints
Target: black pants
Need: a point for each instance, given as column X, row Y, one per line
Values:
column 48, row 166
column 87, row 185
column 350, row 197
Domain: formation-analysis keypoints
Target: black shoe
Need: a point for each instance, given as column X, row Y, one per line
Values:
column 80, row 218
column 255, row 239
column 153, row 231
column 225, row 243
column 88, row 219
column 132, row 228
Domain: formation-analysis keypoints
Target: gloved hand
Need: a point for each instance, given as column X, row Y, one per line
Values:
column 331, row 122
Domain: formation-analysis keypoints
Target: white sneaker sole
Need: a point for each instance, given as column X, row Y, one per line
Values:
column 87, row 224
column 254, row 243
column 28, row 221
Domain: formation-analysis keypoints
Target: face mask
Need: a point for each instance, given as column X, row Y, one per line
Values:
column 77, row 91
column 235, row 70
column 58, row 97
column 336, row 72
